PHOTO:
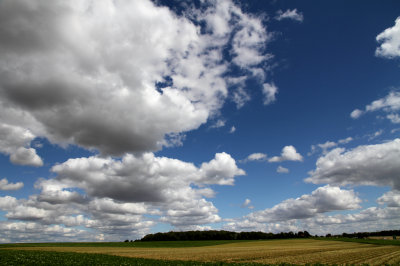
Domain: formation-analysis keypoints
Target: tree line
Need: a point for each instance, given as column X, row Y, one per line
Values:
column 228, row 235
column 368, row 234
column 221, row 235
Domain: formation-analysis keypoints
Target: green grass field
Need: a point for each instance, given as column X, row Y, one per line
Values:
column 290, row 251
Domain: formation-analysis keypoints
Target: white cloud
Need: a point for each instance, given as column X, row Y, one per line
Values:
column 145, row 178
column 391, row 199
column 370, row 220
column 389, row 104
column 356, row 113
column 394, row 118
column 106, row 59
column 249, row 42
column 15, row 141
column 258, row 156
column 282, row 170
column 325, row 147
column 390, row 41
column 308, row 216
column 8, row 202
column 219, row 123
column 289, row 214
column 289, row 153
column 29, row 232
column 345, row 141
column 322, row 200
column 4, row 185
column 186, row 214
column 24, row 156
column 232, row 130
column 114, row 197
column 376, row 165
column 221, row 170
column 289, row 14
column 240, row 97
column 375, row 134
column 269, row 91
column 247, row 204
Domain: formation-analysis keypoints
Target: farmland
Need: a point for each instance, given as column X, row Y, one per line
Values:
column 297, row 251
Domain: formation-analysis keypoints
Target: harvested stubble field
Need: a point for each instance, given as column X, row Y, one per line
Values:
column 296, row 251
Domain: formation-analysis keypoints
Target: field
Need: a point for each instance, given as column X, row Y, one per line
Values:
column 296, row 251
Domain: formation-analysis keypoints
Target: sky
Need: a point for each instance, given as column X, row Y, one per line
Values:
column 124, row 118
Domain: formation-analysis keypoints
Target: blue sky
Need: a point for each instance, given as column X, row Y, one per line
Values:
column 117, row 120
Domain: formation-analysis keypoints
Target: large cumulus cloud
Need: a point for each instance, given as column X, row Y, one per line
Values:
column 390, row 41
column 286, row 215
column 376, row 165
column 120, row 76
column 116, row 196
column 15, row 141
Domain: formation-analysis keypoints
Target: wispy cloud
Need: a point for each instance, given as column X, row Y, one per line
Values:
column 289, row 14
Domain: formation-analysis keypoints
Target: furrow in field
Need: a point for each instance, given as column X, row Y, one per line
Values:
column 392, row 257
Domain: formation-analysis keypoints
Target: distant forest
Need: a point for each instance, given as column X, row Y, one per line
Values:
column 367, row 234
column 227, row 235
column 220, row 235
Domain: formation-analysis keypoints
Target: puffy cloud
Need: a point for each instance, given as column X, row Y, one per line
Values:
column 289, row 14
column 390, row 41
column 297, row 214
column 249, row 42
column 240, row 97
column 219, row 123
column 115, row 197
column 55, row 192
column 365, row 165
column 221, row 170
column 114, row 72
column 12, row 232
column 391, row 198
column 232, row 130
column 269, row 91
column 325, row 147
column 186, row 214
column 345, row 141
column 370, row 220
column 145, row 178
column 108, row 205
column 247, row 204
column 394, row 118
column 356, row 113
column 4, row 185
column 8, row 202
column 389, row 104
column 374, row 135
column 106, row 216
column 282, row 170
column 289, row 153
column 258, row 156
column 24, row 156
column 14, row 140
column 323, row 199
